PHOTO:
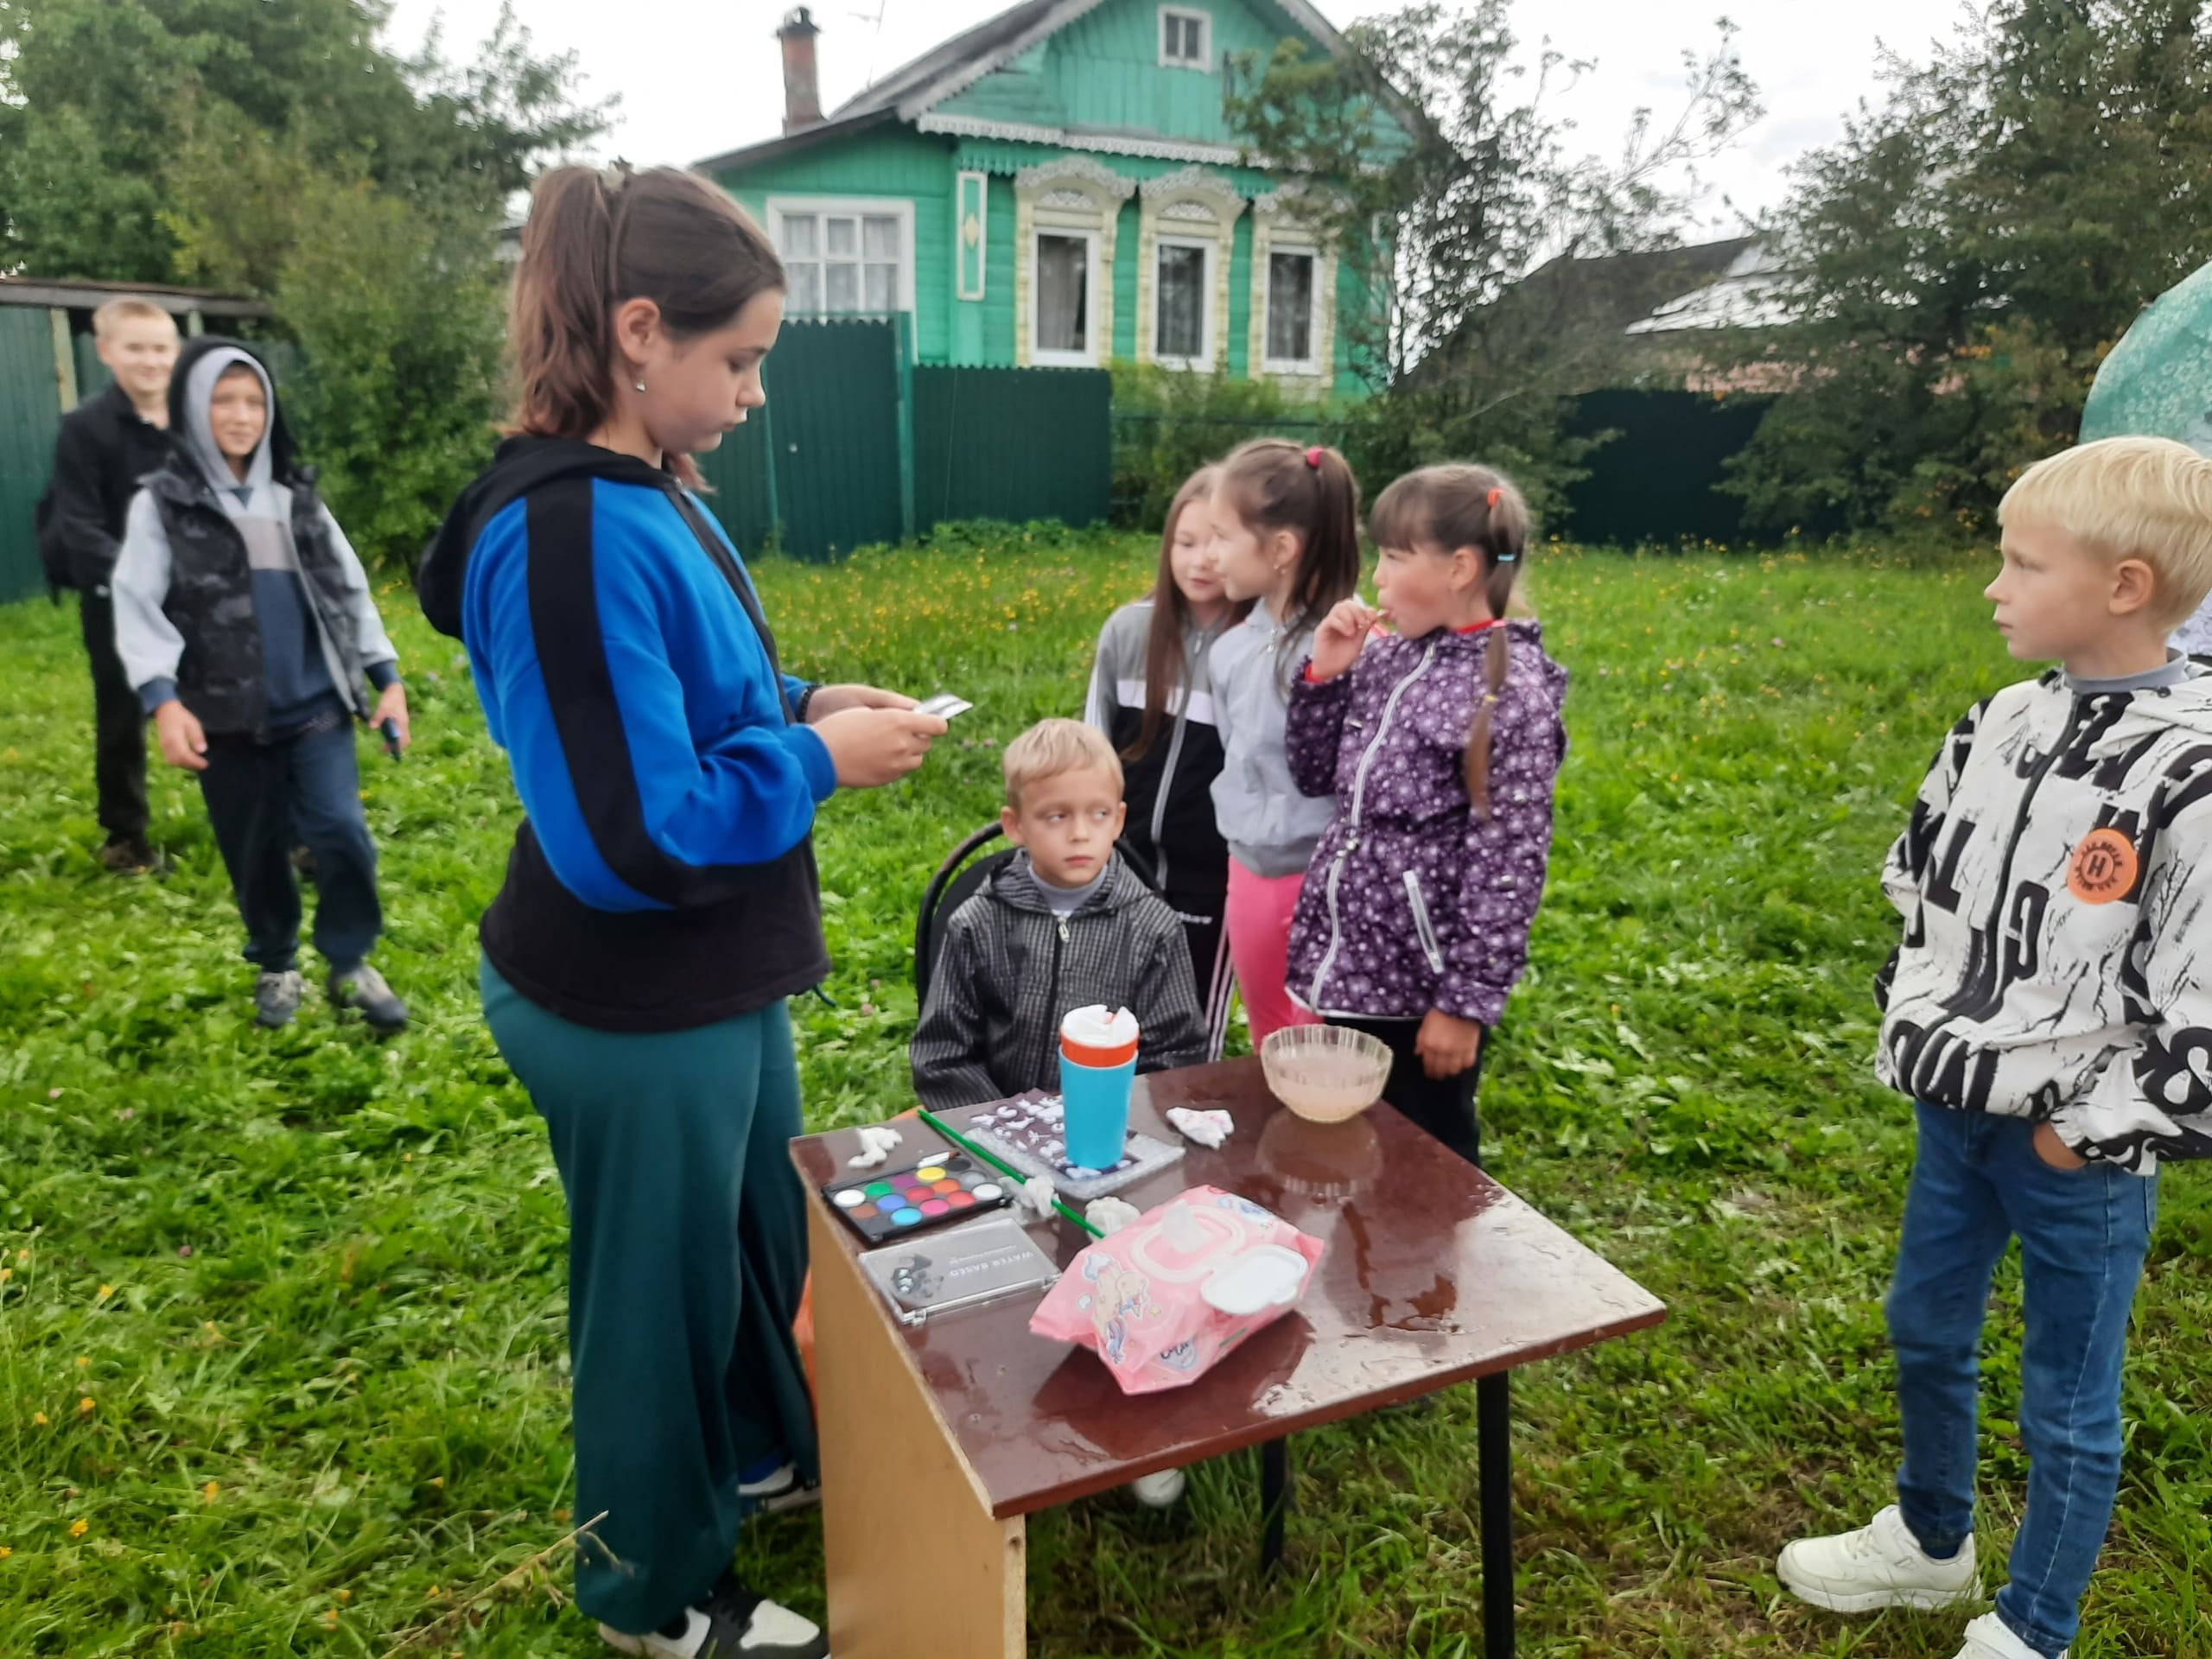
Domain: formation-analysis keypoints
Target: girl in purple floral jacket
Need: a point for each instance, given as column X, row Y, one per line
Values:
column 1440, row 740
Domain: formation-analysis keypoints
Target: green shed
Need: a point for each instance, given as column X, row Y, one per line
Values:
column 1057, row 188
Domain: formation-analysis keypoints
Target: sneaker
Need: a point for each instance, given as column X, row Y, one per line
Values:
column 1991, row 1637
column 1161, row 1492
column 779, row 1491
column 1879, row 1565
column 363, row 988
column 276, row 999
column 734, row 1623
column 129, row 856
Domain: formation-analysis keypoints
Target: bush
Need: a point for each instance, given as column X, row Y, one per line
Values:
column 1168, row 423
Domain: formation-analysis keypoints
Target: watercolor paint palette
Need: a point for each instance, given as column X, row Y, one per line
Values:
column 891, row 1204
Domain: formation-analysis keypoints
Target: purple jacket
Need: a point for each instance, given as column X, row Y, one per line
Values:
column 1411, row 903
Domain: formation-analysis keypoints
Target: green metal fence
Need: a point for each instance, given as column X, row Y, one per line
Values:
column 857, row 445
column 30, row 416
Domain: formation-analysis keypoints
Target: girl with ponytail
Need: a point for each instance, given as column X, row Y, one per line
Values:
column 1439, row 741
column 661, row 902
column 1285, row 538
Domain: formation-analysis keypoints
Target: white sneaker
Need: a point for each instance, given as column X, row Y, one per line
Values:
column 1879, row 1565
column 1161, row 1492
column 734, row 1623
column 1991, row 1637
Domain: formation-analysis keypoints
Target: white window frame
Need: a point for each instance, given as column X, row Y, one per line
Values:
column 1203, row 62
column 1090, row 356
column 1209, row 246
column 1272, row 364
column 898, row 207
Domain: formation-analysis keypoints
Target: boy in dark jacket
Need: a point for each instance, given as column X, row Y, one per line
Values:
column 1063, row 925
column 243, row 620
column 107, row 444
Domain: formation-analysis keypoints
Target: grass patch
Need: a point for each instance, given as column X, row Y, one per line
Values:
column 281, row 1363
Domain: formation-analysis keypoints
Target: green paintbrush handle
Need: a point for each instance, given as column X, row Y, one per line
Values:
column 999, row 1164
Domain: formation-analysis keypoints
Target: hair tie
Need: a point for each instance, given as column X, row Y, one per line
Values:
column 1314, row 457
column 1495, row 492
column 1508, row 558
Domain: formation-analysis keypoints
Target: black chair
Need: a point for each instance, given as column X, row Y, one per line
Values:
column 960, row 877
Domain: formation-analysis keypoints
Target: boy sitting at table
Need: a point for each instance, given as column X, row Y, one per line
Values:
column 1063, row 925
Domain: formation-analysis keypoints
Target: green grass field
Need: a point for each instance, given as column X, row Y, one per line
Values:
column 281, row 1329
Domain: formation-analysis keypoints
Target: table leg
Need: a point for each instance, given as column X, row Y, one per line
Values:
column 904, row 1525
column 1274, row 1500
column 1494, row 1453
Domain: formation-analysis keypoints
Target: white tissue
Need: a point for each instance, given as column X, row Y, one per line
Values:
column 1038, row 1193
column 1110, row 1215
column 1099, row 1026
column 876, row 1141
column 1208, row 1128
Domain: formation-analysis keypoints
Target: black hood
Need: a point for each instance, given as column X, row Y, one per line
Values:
column 283, row 461
column 519, row 466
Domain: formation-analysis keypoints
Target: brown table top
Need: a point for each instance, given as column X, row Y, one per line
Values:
column 1433, row 1274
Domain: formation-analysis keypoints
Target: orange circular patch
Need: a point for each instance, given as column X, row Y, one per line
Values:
column 2103, row 868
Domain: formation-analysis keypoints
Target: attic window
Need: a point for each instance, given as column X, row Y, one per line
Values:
column 1186, row 39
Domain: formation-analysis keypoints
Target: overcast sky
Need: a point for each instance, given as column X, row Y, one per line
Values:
column 698, row 77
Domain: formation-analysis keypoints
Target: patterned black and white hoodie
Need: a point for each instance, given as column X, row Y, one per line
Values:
column 2055, row 882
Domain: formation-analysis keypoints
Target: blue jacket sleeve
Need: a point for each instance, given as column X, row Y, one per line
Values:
column 597, row 653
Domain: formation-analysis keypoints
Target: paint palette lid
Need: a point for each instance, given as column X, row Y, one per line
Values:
column 959, row 1266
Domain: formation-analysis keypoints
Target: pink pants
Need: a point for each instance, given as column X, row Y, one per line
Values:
column 1259, row 912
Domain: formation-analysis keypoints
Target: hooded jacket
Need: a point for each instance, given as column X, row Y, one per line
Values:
column 1011, row 970
column 1413, row 902
column 241, row 597
column 1270, row 825
column 663, row 876
column 1168, row 788
column 2056, row 883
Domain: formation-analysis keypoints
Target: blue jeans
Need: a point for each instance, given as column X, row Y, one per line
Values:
column 259, row 796
column 1976, row 1182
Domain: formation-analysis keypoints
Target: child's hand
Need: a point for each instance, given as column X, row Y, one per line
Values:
column 828, row 699
column 2054, row 1151
column 1342, row 632
column 393, row 706
column 875, row 746
column 183, row 744
column 1446, row 1043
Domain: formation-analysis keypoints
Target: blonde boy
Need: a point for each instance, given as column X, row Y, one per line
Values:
column 106, row 444
column 1063, row 924
column 2048, row 1009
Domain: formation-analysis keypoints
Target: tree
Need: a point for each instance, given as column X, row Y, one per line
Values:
column 99, row 98
column 1961, row 259
column 1454, row 184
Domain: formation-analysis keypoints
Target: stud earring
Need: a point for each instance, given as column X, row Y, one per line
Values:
column 639, row 385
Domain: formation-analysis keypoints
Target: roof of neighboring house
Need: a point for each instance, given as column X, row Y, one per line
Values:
column 69, row 293
column 1743, row 295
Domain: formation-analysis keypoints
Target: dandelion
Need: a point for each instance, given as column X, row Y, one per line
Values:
column 6, row 1273
column 85, row 1406
column 38, row 1419
column 83, row 1360
column 105, row 1292
column 208, row 1491
column 5, row 1552
column 79, row 1527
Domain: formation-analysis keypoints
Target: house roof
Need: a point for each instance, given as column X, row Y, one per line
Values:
column 1741, row 296
column 68, row 293
column 954, row 65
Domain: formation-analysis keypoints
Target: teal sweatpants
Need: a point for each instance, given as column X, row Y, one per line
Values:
column 687, row 1259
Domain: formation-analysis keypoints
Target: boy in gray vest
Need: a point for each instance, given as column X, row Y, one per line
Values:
column 245, row 623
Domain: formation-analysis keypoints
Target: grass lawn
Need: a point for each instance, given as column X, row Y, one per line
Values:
column 280, row 1336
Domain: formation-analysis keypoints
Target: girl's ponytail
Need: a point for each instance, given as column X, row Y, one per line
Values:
column 593, row 241
column 1275, row 484
column 1444, row 509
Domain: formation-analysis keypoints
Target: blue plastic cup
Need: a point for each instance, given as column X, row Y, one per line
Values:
column 1097, row 1102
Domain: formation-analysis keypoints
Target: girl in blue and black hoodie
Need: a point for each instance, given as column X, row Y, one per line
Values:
column 661, row 900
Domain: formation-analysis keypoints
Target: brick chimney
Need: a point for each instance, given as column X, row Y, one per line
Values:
column 802, row 101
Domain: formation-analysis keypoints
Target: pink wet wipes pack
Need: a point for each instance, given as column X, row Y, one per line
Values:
column 1162, row 1300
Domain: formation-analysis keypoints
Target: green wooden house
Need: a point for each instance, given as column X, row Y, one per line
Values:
column 1057, row 188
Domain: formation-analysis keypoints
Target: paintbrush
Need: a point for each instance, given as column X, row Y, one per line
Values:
column 999, row 1164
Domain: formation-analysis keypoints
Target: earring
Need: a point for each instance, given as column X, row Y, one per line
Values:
column 639, row 385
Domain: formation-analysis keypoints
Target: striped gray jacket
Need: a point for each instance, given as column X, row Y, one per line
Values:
column 1010, row 969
